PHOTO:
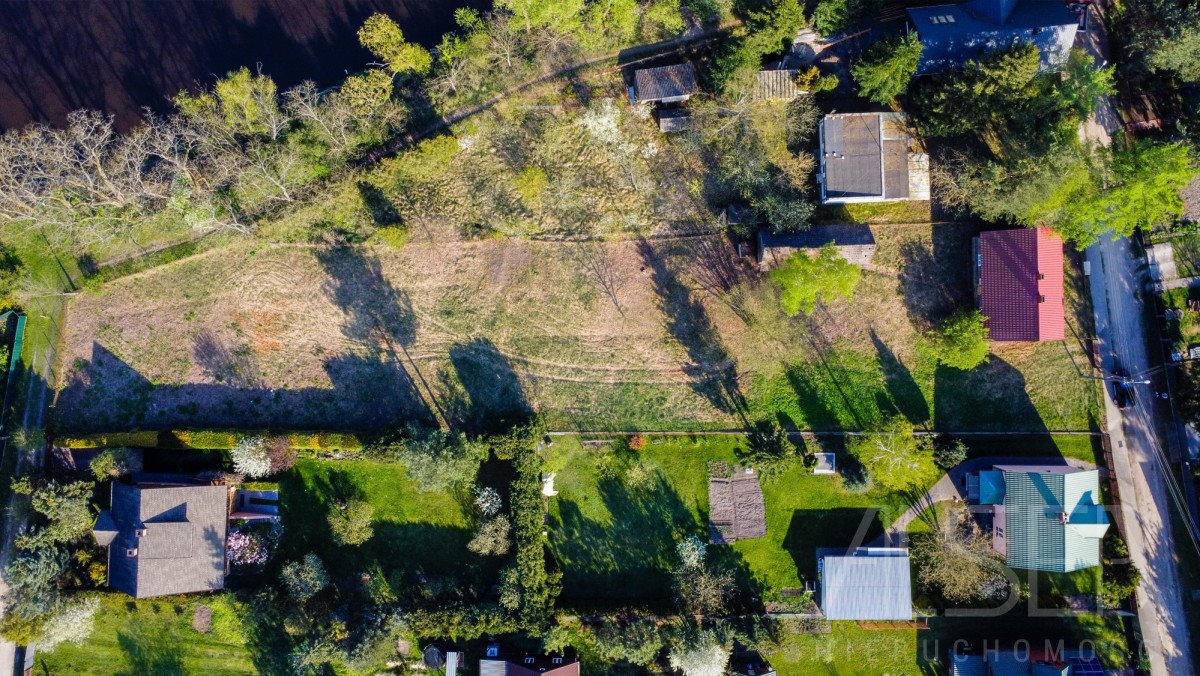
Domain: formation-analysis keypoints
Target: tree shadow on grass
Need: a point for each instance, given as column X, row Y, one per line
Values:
column 633, row 556
column 485, row 394
column 813, row 529
column 989, row 397
column 906, row 395
column 151, row 648
column 710, row 368
column 403, row 549
column 935, row 278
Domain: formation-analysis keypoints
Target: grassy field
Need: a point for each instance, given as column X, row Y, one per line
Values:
column 149, row 637
column 907, row 211
column 614, row 537
column 620, row 335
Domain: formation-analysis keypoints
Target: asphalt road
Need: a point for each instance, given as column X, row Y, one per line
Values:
column 1139, row 459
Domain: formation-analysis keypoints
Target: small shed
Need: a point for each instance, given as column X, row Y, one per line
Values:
column 826, row 463
column 855, row 243
column 664, row 84
column 776, row 85
column 674, row 120
column 868, row 583
column 737, row 508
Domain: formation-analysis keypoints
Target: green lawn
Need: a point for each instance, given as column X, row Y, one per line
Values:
column 851, row 649
column 907, row 211
column 415, row 531
column 615, row 538
column 149, row 637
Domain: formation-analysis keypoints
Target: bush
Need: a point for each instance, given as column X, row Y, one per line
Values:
column 281, row 454
column 1121, row 577
column 961, row 341
column 115, row 463
column 246, row 548
column 250, row 457
column 494, row 538
column 949, row 455
column 351, row 525
column 304, row 579
column 143, row 439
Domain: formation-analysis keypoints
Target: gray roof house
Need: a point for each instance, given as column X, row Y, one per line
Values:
column 954, row 34
column 164, row 539
column 664, row 84
column 1045, row 518
column 868, row 583
column 870, row 157
column 854, row 242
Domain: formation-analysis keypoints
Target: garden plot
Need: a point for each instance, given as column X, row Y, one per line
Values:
column 668, row 334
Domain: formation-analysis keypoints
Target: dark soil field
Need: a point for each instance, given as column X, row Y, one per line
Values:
column 119, row 56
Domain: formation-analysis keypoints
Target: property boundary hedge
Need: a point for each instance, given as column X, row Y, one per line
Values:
column 211, row 439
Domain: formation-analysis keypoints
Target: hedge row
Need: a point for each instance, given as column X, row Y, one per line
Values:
column 211, row 440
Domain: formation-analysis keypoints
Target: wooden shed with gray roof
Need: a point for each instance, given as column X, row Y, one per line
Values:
column 855, row 243
column 164, row 540
column 664, row 84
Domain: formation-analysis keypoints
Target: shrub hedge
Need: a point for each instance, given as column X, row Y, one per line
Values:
column 211, row 440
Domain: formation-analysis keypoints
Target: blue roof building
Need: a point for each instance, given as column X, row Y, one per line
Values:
column 954, row 34
column 1045, row 518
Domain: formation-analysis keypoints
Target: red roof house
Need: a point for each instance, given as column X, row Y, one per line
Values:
column 1019, row 284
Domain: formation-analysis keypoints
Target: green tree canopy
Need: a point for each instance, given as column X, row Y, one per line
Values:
column 961, row 341
column 241, row 102
column 1118, row 192
column 383, row 38
column 1177, row 50
column 895, row 456
column 1084, row 83
column 803, row 279
column 887, row 68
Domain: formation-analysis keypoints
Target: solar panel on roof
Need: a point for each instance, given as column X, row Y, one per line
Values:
column 1081, row 666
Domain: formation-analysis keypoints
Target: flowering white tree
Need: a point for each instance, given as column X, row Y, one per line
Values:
column 705, row 656
column 250, row 457
column 71, row 624
column 488, row 500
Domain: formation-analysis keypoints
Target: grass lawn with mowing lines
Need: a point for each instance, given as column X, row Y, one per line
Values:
column 614, row 536
column 150, row 636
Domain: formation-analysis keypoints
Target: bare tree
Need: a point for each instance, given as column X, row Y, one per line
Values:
column 276, row 166
column 592, row 257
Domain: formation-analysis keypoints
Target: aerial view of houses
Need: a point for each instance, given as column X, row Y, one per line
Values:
column 625, row 337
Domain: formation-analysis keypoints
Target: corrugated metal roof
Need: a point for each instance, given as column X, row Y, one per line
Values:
column 664, row 82
column 776, row 84
column 1039, row 508
column 865, row 586
column 954, row 34
column 1021, row 284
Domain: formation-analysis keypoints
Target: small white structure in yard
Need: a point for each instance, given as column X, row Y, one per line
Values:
column 548, row 485
column 826, row 463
